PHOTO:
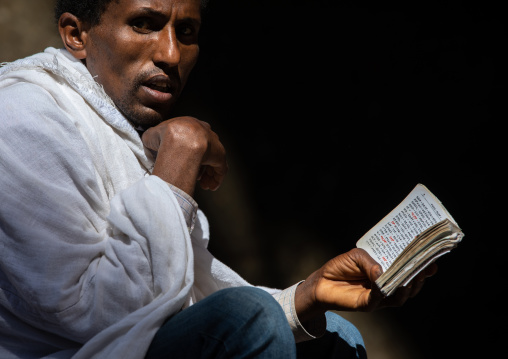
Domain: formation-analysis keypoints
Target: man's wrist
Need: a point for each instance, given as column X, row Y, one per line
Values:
column 314, row 328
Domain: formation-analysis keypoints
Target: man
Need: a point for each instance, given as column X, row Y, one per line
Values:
column 104, row 251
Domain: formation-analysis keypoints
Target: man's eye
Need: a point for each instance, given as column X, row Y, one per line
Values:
column 185, row 30
column 187, row 33
column 142, row 25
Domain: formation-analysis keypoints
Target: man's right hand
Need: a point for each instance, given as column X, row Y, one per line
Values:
column 347, row 283
column 187, row 151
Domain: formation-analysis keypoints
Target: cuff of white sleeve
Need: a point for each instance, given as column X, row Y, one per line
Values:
column 312, row 330
column 188, row 205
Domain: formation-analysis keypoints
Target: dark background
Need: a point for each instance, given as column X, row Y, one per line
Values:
column 331, row 112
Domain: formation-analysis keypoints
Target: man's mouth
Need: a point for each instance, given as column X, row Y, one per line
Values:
column 159, row 84
column 159, row 89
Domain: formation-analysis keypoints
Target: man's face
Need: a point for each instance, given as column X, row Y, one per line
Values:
column 142, row 52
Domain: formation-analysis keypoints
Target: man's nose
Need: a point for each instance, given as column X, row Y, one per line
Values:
column 168, row 48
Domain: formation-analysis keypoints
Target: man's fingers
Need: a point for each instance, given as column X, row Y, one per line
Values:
column 211, row 178
column 151, row 139
column 402, row 294
column 430, row 270
column 419, row 280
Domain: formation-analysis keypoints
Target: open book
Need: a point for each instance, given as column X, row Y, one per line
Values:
column 410, row 237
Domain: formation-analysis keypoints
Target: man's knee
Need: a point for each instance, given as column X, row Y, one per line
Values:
column 346, row 330
column 259, row 327
column 233, row 322
column 252, row 304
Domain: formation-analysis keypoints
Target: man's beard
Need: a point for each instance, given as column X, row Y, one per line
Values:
column 140, row 119
column 141, row 116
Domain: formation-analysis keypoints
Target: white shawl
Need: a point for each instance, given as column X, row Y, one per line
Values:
column 95, row 251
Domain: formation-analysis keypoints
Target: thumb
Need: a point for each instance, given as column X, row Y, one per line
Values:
column 375, row 272
column 152, row 139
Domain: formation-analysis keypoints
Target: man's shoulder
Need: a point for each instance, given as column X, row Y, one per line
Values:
column 29, row 107
column 23, row 95
column 46, row 71
column 37, row 84
column 26, row 80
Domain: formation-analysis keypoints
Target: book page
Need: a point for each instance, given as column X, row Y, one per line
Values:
column 417, row 212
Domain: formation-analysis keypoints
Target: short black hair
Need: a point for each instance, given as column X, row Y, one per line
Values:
column 89, row 11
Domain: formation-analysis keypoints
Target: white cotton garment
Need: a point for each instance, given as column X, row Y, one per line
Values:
column 95, row 251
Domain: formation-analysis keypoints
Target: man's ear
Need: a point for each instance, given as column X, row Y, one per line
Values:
column 74, row 34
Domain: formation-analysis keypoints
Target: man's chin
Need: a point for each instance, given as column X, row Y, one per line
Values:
column 146, row 118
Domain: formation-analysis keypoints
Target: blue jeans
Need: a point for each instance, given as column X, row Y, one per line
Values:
column 341, row 340
column 246, row 322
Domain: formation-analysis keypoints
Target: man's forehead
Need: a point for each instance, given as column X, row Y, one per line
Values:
column 156, row 3
column 179, row 8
